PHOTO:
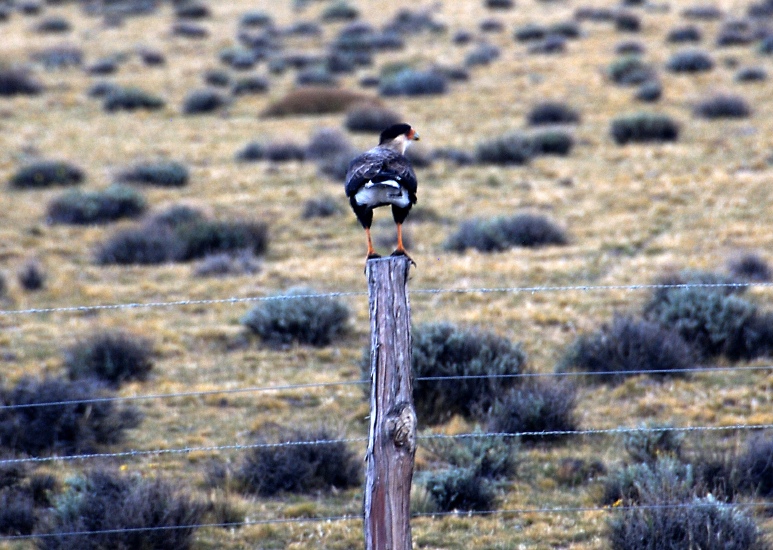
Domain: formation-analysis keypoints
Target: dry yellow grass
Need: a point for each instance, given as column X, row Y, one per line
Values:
column 632, row 213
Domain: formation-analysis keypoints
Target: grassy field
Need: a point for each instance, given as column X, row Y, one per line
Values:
column 632, row 214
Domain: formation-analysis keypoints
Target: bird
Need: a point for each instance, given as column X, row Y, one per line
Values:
column 384, row 176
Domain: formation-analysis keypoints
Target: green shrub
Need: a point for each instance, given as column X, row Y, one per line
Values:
column 298, row 468
column 750, row 267
column 459, row 489
column 644, row 128
column 161, row 173
column 17, row 512
column 322, row 207
column 649, row 91
column 723, row 106
column 369, row 118
column 664, row 481
column 127, row 512
column 340, row 11
column 32, row 276
column 213, row 236
column 490, row 457
column 536, row 406
column 513, row 148
column 46, row 173
column 755, row 467
column 203, row 101
column 690, row 61
column 316, row 321
column 751, row 74
column 651, row 443
column 629, row 345
column 54, row 24
column 498, row 234
column 705, row 523
column 144, row 245
column 715, row 323
column 111, row 356
column 551, row 142
column 93, row 207
column 250, row 85
column 551, row 112
column 64, row 428
column 15, row 82
column 630, row 70
column 687, row 33
column 410, row 82
column 442, row 349
column 131, row 99
column 225, row 264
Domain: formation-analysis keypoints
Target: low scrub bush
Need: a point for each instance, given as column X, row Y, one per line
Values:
column 111, row 356
column 340, row 11
column 644, row 128
column 203, row 101
column 326, row 144
column 17, row 512
column 250, row 85
column 191, row 9
column 630, row 48
column 305, row 320
column 369, row 118
column 160, row 173
column 322, row 207
column 630, row 70
column 530, row 32
column 442, row 349
column 552, row 44
column 32, row 276
column 410, row 82
column 59, row 57
column 649, row 91
column 227, row 264
column 702, row 523
column 688, row 33
column 186, row 29
column 751, row 74
column 459, row 489
column 750, row 267
column 512, row 148
column 298, row 468
column 316, row 100
column 315, row 76
column 284, row 151
column 723, row 106
column 54, row 24
column 15, row 82
column 652, row 442
column 131, row 99
column 482, row 54
column 755, row 467
column 690, row 61
column 664, row 481
column 64, row 428
column 627, row 22
column 552, row 112
column 498, row 234
column 93, row 207
column 47, row 173
column 252, row 152
column 116, row 511
column 499, row 4
column 551, row 141
column 490, row 457
column 714, row 323
column 704, row 12
column 536, row 406
column 629, row 346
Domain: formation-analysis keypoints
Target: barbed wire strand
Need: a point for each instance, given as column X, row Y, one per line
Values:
column 317, row 385
column 481, row 290
column 419, row 515
column 248, row 446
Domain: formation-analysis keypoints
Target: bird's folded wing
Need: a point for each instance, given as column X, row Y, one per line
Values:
column 379, row 166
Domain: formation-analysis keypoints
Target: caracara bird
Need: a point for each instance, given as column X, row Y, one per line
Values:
column 384, row 176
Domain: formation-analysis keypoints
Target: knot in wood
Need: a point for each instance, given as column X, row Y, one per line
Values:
column 401, row 426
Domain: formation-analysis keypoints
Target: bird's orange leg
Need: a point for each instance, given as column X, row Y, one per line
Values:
column 372, row 254
column 400, row 250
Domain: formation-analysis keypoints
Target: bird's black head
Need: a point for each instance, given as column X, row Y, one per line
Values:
column 397, row 130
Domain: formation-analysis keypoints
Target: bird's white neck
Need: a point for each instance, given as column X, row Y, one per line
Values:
column 398, row 145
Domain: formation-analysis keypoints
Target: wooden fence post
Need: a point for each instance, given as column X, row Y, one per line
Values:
column 392, row 436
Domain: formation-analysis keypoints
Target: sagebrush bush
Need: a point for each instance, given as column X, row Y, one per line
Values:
column 188, row 29
column 191, row 9
column 552, row 112
column 705, row 523
column 53, row 24
column 714, row 323
column 644, row 128
column 316, row 321
column 498, row 234
column 321, row 207
column 17, row 512
column 627, row 22
column 629, row 48
column 735, row 33
column 223, row 264
column 411, row 82
column 722, row 106
column 59, row 57
column 652, row 442
column 663, row 481
column 250, row 85
column 751, row 74
column 111, row 356
column 629, row 345
column 127, row 512
column 530, row 32
column 702, row 11
column 217, row 77
column 17, row 82
column 327, row 143
column 252, row 152
column 536, row 406
column 459, row 489
column 750, row 267
column 64, row 428
column 490, row 457
column 47, row 173
column 131, row 99
column 32, row 275
column 755, row 467
column 690, row 61
column 649, row 91
column 143, row 245
column 630, row 70
column 551, row 141
column 551, row 44
column 315, row 76
column 482, row 54
column 687, row 33
column 298, row 468
column 369, row 118
column 340, row 11
column 203, row 101
column 161, row 173
column 213, row 236
column 512, row 148
column 442, row 349
column 93, row 207
column 284, row 151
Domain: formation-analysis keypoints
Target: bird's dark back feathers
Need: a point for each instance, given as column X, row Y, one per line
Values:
column 383, row 163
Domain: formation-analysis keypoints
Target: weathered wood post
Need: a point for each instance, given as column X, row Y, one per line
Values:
column 392, row 437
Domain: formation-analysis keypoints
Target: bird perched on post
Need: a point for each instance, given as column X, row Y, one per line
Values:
column 384, row 176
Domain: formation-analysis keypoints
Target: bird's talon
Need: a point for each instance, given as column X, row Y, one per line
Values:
column 403, row 253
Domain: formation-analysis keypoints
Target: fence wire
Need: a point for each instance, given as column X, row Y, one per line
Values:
column 474, row 435
column 341, row 294
column 420, row 515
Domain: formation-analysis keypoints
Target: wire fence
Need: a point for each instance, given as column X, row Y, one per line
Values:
column 134, row 453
